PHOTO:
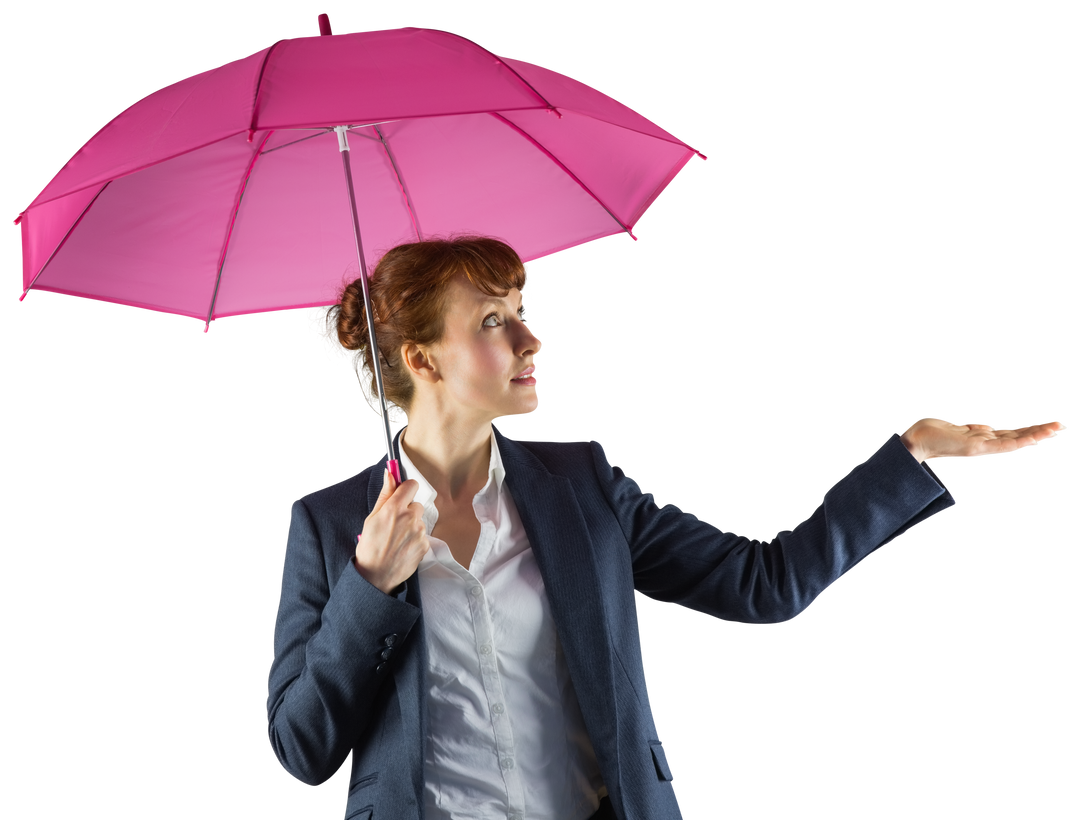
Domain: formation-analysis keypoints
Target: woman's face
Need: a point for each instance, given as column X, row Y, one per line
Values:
column 484, row 361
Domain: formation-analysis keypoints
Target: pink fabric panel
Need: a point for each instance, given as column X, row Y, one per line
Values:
column 45, row 226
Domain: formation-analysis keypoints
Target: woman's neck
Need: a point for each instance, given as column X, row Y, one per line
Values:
column 454, row 461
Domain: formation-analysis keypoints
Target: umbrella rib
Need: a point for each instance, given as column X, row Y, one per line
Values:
column 61, row 243
column 393, row 162
column 401, row 184
column 232, row 222
column 565, row 170
column 501, row 62
column 258, row 88
column 322, row 132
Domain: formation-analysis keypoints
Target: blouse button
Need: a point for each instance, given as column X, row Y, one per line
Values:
column 498, row 709
column 485, row 650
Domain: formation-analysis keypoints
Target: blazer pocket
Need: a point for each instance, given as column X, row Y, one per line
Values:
column 361, row 814
column 663, row 771
column 363, row 782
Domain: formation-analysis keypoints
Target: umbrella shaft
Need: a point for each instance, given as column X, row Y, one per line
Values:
column 343, row 145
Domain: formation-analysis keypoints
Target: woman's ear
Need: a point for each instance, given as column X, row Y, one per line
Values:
column 418, row 363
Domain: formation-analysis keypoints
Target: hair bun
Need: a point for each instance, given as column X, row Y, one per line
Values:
column 351, row 318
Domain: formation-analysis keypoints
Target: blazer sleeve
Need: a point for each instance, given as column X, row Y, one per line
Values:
column 332, row 647
column 678, row 558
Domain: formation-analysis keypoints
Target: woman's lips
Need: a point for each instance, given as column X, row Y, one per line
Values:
column 524, row 373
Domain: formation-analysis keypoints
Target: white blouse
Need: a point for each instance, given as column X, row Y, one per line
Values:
column 506, row 738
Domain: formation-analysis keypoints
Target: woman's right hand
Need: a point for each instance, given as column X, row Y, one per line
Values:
column 394, row 539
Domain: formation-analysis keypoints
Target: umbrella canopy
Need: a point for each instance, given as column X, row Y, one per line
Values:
column 223, row 194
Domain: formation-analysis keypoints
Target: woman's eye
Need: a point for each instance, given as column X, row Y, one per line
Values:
column 523, row 317
column 491, row 321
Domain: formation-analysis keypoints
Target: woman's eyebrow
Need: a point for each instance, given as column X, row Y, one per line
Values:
column 495, row 301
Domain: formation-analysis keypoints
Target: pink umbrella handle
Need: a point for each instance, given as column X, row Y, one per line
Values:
column 395, row 470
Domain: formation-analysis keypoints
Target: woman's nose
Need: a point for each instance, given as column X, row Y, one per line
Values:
column 532, row 338
column 527, row 343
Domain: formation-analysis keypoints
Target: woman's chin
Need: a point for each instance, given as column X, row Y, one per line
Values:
column 531, row 411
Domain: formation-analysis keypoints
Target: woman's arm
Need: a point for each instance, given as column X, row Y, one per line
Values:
column 332, row 650
column 676, row 557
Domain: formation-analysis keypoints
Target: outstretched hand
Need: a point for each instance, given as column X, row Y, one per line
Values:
column 933, row 438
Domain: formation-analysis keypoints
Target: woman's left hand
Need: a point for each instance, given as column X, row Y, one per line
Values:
column 933, row 438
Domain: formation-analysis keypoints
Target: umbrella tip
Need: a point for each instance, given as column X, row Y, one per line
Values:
column 207, row 327
column 324, row 25
column 24, row 294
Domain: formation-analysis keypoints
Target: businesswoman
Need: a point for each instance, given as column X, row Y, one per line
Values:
column 470, row 635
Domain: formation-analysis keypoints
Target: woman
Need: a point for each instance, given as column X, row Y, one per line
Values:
column 520, row 692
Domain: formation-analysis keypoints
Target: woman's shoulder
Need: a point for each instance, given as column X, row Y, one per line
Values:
column 344, row 493
column 558, row 457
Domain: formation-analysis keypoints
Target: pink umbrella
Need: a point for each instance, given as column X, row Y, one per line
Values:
column 223, row 194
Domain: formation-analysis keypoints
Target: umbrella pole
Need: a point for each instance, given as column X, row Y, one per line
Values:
column 343, row 147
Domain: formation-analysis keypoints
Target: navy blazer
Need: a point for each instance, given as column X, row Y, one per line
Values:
column 350, row 662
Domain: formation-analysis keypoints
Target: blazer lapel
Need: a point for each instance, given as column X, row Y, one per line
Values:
column 566, row 557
